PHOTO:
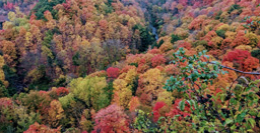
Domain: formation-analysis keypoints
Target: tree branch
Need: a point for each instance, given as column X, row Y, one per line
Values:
column 252, row 73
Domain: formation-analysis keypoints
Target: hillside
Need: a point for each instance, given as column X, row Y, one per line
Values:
column 114, row 66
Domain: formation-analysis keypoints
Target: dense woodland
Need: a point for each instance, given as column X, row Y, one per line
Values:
column 134, row 66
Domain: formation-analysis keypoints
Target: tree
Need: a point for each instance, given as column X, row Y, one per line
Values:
column 90, row 90
column 122, row 92
column 111, row 119
column 150, row 85
column 41, row 128
column 44, row 5
column 55, row 114
column 194, row 79
column 113, row 72
column 158, row 60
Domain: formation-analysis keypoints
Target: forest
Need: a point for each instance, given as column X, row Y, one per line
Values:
column 129, row 66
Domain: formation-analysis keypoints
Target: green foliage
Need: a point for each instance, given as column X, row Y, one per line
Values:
column 159, row 44
column 256, row 53
column 108, row 90
column 198, row 70
column 91, row 91
column 144, row 123
column 221, row 33
column 134, row 64
column 44, row 5
column 75, row 59
column 238, row 115
column 218, row 15
column 146, row 37
column 200, row 42
column 234, row 7
column 174, row 38
column 48, row 38
column 12, row 78
column 38, row 79
column 3, row 90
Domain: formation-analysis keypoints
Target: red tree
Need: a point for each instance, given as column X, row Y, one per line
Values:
column 110, row 120
column 113, row 72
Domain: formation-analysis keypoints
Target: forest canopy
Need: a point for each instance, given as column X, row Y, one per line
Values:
column 114, row 66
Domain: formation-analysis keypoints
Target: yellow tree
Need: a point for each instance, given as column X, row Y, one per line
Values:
column 55, row 113
column 123, row 88
column 150, row 85
column 9, row 52
column 2, row 74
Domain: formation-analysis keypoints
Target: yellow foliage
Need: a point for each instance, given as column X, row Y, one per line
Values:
column 244, row 47
column 216, row 40
column 165, row 97
column 166, row 46
column 122, row 93
column 224, row 27
column 253, row 38
column 150, row 85
column 131, row 22
column 130, row 76
column 230, row 35
column 200, row 48
column 55, row 113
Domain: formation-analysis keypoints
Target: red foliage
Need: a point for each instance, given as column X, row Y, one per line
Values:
column 226, row 43
column 113, row 72
column 61, row 91
column 103, row 24
column 185, row 45
column 172, row 69
column 196, row 24
column 183, row 2
column 244, row 59
column 240, row 39
column 156, row 110
column 154, row 51
column 158, row 60
column 110, row 120
column 127, row 68
column 160, row 68
column 248, row 21
column 8, row 6
column 67, row 5
column 176, row 111
column 237, row 56
column 5, row 102
column 208, row 37
column 37, row 128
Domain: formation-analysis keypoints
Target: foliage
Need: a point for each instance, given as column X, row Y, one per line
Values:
column 234, row 7
column 174, row 38
column 113, row 72
column 208, row 111
column 90, row 90
column 41, row 128
column 146, row 37
column 114, row 117
column 256, row 53
column 44, row 5
column 95, row 66
column 221, row 33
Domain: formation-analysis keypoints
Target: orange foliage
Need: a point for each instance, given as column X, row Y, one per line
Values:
column 134, row 103
column 37, row 128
